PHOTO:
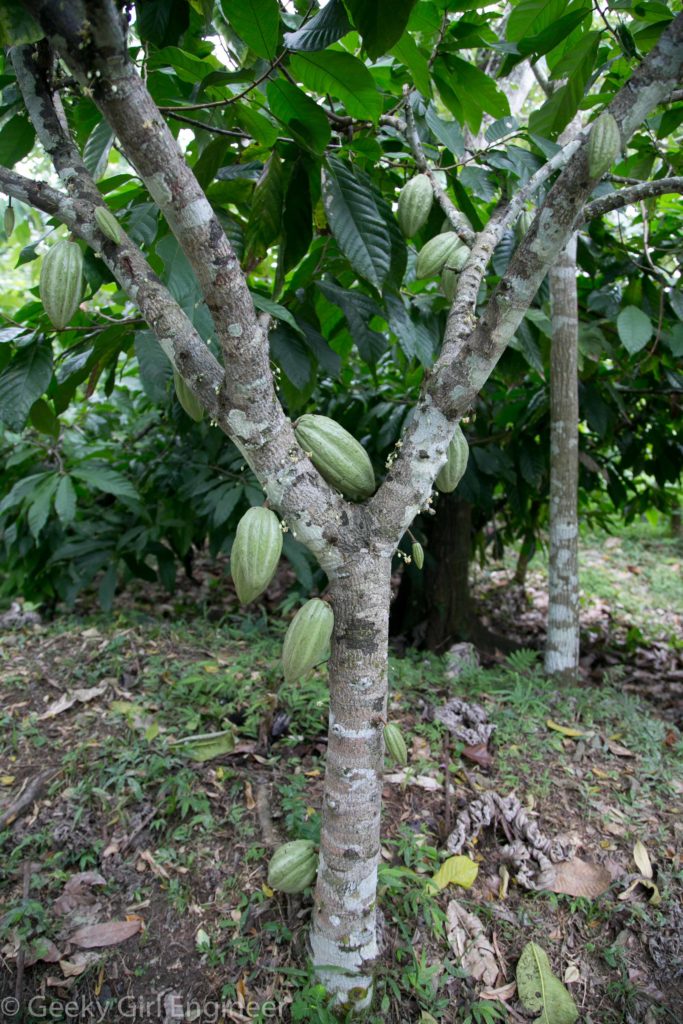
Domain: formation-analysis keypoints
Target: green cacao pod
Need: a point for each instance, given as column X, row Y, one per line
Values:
column 61, row 282
column 9, row 220
column 456, row 463
column 108, row 224
column 187, row 398
column 307, row 641
column 255, row 552
column 604, row 145
column 449, row 283
column 395, row 744
column 336, row 454
column 414, row 203
column 293, row 866
column 418, row 554
column 439, row 252
column 526, row 219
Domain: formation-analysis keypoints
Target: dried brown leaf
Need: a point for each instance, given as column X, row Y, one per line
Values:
column 109, row 933
column 576, row 877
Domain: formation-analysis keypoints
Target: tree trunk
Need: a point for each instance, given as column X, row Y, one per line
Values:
column 343, row 934
column 447, row 585
column 562, row 643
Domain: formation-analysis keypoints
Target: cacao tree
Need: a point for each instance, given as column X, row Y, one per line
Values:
column 270, row 220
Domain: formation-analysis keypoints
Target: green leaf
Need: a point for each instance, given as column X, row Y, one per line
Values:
column 329, row 25
column 344, row 77
column 161, row 22
column 539, row 989
column 635, row 328
column 457, row 870
column 155, row 366
column 297, row 220
column 23, row 381
column 16, row 25
column 305, row 119
column 16, row 140
column 206, row 747
column 530, row 17
column 39, row 508
column 275, row 309
column 381, row 24
column 407, row 53
column 359, row 309
column 43, row 418
column 293, row 356
column 257, row 22
column 559, row 109
column 65, row 501
column 448, row 133
column 265, row 216
column 101, row 478
column 469, row 92
column 356, row 223
column 96, row 149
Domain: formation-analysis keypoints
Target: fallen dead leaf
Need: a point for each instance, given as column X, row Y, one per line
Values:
column 479, row 753
column 642, row 859
column 501, row 994
column 67, row 700
column 576, row 877
column 109, row 933
column 468, row 940
column 565, row 730
column 616, row 748
column 157, row 869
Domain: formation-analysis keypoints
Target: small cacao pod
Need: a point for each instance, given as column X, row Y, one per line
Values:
column 451, row 474
column 255, row 552
column 526, row 219
column 414, row 203
column 293, row 866
column 418, row 554
column 61, row 282
column 307, row 641
column 439, row 252
column 187, row 399
column 336, row 454
column 108, row 224
column 449, row 283
column 604, row 145
column 395, row 744
column 9, row 220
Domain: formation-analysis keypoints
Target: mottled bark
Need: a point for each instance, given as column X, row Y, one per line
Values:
column 343, row 934
column 562, row 641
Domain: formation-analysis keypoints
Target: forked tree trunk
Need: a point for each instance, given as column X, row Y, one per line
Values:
column 562, row 643
column 343, row 933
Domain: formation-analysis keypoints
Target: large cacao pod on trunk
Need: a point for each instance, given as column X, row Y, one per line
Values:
column 336, row 454
column 108, row 224
column 255, row 553
column 458, row 453
column 395, row 744
column 307, row 641
column 293, row 866
column 61, row 282
column 186, row 397
column 604, row 145
column 414, row 203
column 445, row 250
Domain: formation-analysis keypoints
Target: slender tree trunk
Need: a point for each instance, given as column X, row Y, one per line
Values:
column 344, row 934
column 562, row 643
column 447, row 584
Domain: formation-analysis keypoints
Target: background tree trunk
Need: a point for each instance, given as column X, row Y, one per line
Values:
column 343, row 934
column 562, row 643
column 448, row 604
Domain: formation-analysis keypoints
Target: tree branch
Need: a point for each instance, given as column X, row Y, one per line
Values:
column 627, row 196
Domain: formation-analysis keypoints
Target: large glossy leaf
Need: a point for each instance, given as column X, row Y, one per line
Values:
column 356, row 223
column 257, row 22
column 304, row 118
column 448, row 133
column 530, row 17
column 155, row 367
column 96, row 149
column 635, row 328
column 265, row 219
column 344, row 77
column 39, row 508
column 16, row 140
column 329, row 25
column 292, row 355
column 23, row 381
column 359, row 309
column 297, row 220
column 576, row 68
column 469, row 92
column 65, row 501
column 381, row 23
column 103, row 478
column 407, row 53
column 16, row 25
column 161, row 22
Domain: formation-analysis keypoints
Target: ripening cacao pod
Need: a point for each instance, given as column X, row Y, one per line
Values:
column 604, row 145
column 418, row 554
column 336, row 455
column 61, row 282
column 187, row 399
column 449, row 283
column 395, row 744
column 526, row 219
column 293, row 866
column 9, row 220
column 414, row 203
column 108, row 224
column 439, row 252
column 451, row 474
column 307, row 641
column 255, row 553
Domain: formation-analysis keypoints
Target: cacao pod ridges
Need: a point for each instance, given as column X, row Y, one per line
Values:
column 445, row 250
column 293, row 866
column 307, row 640
column 604, row 144
column 337, row 455
column 395, row 744
column 61, row 282
column 255, row 553
column 108, row 224
column 451, row 474
column 414, row 204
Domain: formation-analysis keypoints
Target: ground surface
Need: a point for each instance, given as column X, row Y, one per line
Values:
column 129, row 836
